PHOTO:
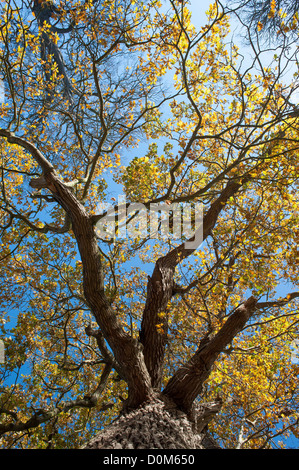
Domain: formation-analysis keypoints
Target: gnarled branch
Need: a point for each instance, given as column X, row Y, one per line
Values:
column 186, row 384
column 161, row 287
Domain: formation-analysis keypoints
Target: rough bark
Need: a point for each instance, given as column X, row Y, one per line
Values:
column 157, row 425
column 153, row 339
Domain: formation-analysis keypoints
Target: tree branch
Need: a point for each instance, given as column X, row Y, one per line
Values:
column 127, row 350
column 42, row 416
column 278, row 302
column 45, row 165
column 161, row 285
column 186, row 383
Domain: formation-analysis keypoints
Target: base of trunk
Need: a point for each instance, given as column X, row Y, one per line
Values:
column 155, row 425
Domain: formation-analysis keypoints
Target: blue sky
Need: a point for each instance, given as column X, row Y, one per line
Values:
column 1, row 91
column 198, row 9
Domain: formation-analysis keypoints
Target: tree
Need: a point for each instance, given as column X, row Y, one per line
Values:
column 274, row 17
column 165, row 333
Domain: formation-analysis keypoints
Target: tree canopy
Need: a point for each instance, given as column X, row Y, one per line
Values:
column 128, row 98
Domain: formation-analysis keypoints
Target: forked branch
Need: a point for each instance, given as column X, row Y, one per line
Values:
column 187, row 382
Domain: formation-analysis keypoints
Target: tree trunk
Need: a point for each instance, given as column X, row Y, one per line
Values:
column 158, row 424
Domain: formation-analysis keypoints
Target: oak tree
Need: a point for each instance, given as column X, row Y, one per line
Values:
column 188, row 341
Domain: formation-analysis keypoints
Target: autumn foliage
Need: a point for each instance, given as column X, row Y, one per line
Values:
column 118, row 96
